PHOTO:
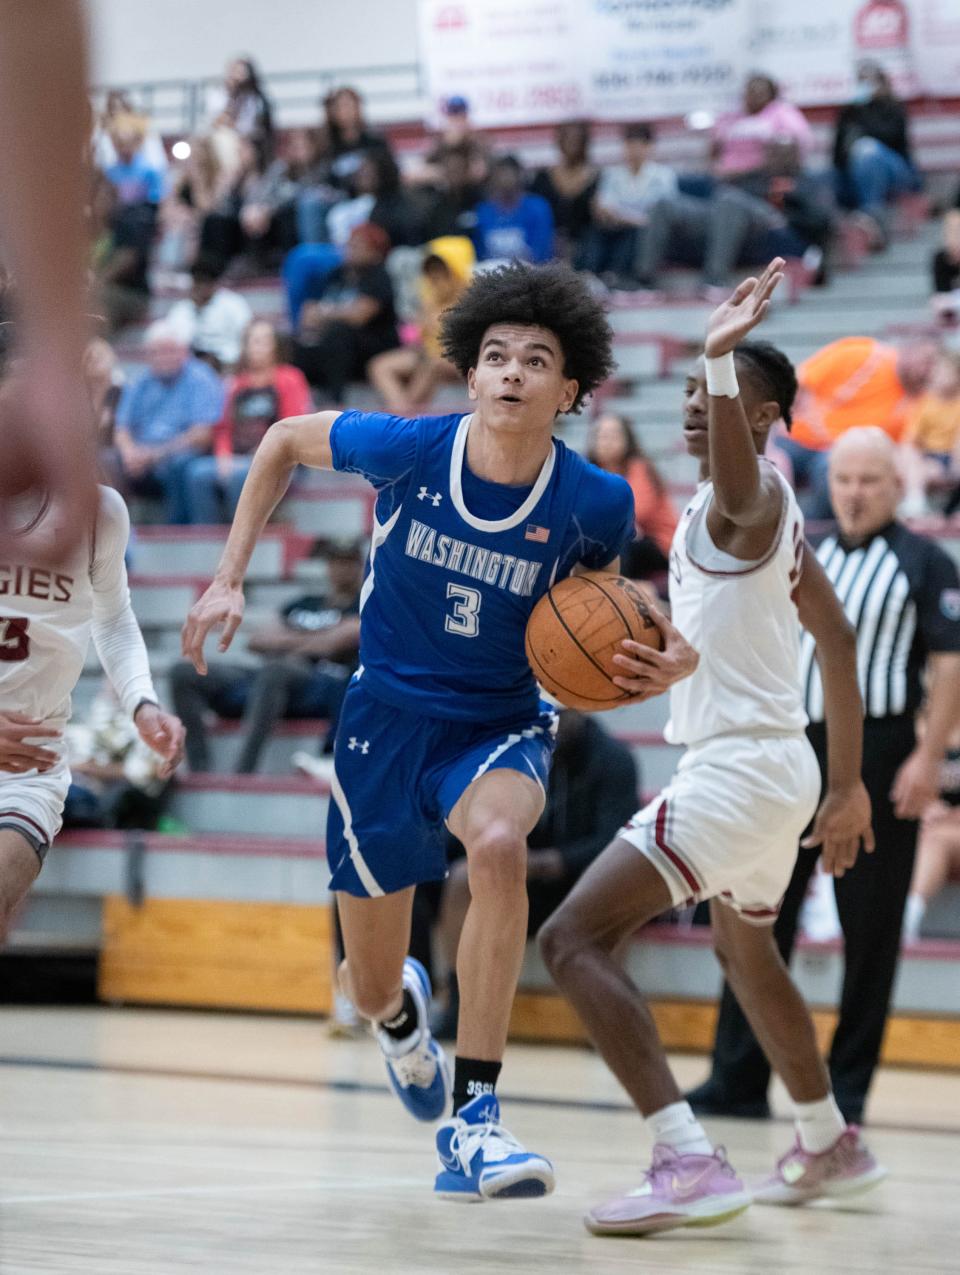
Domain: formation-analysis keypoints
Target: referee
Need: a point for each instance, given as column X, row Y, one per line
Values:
column 902, row 593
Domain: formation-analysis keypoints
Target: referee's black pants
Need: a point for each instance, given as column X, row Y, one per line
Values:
column 870, row 901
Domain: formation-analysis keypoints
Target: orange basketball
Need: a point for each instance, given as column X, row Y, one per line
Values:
column 574, row 632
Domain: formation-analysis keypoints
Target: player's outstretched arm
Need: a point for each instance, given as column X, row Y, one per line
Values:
column 739, row 492
column 298, row 440
column 843, row 820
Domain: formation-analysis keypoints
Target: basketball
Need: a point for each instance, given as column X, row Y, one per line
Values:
column 576, row 629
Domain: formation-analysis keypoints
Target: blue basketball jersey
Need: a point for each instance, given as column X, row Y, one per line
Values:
column 457, row 563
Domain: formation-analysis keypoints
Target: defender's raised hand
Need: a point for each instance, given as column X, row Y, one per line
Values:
column 746, row 307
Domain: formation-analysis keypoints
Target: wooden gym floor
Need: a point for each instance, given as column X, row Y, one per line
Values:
column 153, row 1141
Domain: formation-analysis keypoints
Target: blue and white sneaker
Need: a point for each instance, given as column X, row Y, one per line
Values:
column 417, row 1066
column 480, row 1160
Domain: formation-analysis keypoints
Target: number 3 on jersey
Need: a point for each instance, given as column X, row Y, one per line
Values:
column 14, row 639
column 466, row 606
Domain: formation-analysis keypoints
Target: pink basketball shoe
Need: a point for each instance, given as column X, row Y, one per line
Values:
column 845, row 1168
column 677, row 1190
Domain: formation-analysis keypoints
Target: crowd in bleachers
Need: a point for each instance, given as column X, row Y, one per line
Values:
column 372, row 245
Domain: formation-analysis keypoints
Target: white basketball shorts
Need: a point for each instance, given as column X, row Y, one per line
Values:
column 32, row 805
column 729, row 823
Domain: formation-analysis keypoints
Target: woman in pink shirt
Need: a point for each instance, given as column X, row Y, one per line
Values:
column 743, row 142
column 264, row 390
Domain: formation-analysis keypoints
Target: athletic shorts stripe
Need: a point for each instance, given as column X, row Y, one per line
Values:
column 659, row 833
column 31, row 823
column 369, row 881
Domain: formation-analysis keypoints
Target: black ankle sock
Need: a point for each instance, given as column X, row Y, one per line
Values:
column 472, row 1077
column 406, row 1021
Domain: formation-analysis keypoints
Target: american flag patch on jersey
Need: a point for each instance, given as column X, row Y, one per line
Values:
column 540, row 534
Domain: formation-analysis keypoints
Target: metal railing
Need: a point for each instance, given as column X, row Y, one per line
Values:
column 178, row 108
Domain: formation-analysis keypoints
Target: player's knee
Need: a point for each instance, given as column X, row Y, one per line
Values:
column 560, row 939
column 497, row 861
column 372, row 998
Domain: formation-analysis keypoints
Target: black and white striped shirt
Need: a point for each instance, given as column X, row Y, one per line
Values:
column 901, row 592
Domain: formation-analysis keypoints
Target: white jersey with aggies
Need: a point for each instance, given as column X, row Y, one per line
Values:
column 742, row 619
column 47, row 618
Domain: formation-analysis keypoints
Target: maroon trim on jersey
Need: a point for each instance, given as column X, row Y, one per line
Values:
column 758, row 913
column 750, row 568
column 659, row 833
column 31, row 823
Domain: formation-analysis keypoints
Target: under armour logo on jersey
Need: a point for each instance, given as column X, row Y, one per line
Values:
column 362, row 744
column 433, row 497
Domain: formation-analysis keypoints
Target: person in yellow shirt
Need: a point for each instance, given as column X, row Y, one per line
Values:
column 407, row 377
column 931, row 451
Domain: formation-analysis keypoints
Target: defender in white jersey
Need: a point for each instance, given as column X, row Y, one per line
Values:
column 47, row 617
column 727, row 827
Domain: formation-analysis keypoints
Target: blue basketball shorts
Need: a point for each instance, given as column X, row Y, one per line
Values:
column 397, row 776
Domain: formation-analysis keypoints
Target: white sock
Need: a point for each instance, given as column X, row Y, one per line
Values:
column 913, row 915
column 819, row 1124
column 676, row 1126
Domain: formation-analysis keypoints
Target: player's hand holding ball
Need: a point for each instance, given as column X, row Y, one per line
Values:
column 596, row 641
column 220, row 607
column 648, row 671
column 840, row 825
column 18, row 751
column 162, row 732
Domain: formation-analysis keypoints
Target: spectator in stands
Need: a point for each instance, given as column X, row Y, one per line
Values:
column 199, row 185
column 264, row 390
column 407, row 376
column 118, row 103
column 378, row 197
column 946, row 270
column 165, row 418
column 776, row 210
column 901, row 592
column 458, row 132
column 243, row 105
column 121, row 239
column 592, row 792
column 115, row 777
column 745, row 142
column 450, row 203
column 213, row 319
column 625, row 196
column 309, row 652
column 348, row 136
column 613, row 447
column 569, row 187
column 512, row 225
column 871, row 151
column 133, row 174
column 938, row 845
column 851, row 382
column 352, row 319
column 931, row 451
column 104, row 382
column 256, row 218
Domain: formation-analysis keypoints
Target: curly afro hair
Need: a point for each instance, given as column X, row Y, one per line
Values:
column 551, row 296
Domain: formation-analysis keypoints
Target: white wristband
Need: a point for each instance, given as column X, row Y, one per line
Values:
column 722, row 376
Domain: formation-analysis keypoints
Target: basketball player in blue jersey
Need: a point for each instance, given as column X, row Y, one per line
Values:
column 476, row 516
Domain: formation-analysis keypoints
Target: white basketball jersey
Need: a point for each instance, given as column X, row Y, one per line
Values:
column 742, row 618
column 46, row 616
